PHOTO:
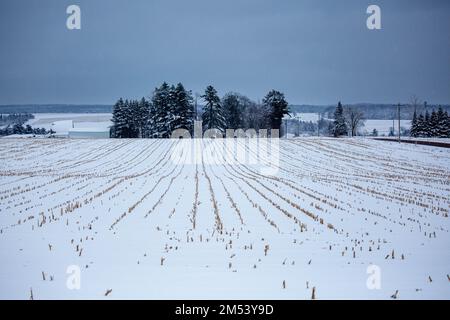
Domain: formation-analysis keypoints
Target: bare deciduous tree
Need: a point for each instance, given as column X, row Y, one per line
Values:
column 415, row 103
column 354, row 119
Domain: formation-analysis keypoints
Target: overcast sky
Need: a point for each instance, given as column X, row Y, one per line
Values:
column 316, row 52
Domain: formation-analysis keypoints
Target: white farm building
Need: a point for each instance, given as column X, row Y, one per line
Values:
column 88, row 133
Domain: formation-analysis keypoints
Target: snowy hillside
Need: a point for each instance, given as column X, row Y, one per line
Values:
column 141, row 223
column 61, row 123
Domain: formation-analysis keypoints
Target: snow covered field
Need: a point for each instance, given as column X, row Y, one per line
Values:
column 382, row 126
column 61, row 123
column 139, row 224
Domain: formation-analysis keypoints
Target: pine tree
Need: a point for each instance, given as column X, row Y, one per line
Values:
column 277, row 105
column 375, row 133
column 182, row 109
column 142, row 115
column 119, row 119
column 420, row 126
column 433, row 124
column 413, row 131
column 150, row 128
column 133, row 122
column 441, row 125
column 426, row 125
column 130, row 111
column 447, row 124
column 213, row 117
column 28, row 129
column 339, row 123
column 161, row 101
column 18, row 129
column 172, row 106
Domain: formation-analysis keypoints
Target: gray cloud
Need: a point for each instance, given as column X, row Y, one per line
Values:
column 315, row 51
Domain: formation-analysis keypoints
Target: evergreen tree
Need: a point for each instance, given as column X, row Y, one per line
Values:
column 375, row 133
column 172, row 106
column 447, row 124
column 275, row 102
column 119, row 120
column 162, row 106
column 129, row 131
column 413, row 131
column 441, row 125
column 131, row 118
column 426, row 125
column 339, row 124
column 182, row 109
column 213, row 117
column 18, row 129
column 420, row 126
column 28, row 129
column 142, row 115
column 433, row 124
column 150, row 129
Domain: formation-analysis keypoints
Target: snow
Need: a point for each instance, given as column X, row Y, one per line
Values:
column 383, row 126
column 62, row 123
column 20, row 136
column 115, row 208
column 89, row 133
column 444, row 140
column 86, row 129
column 313, row 117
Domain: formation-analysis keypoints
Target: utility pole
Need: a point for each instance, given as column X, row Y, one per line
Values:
column 398, row 111
column 286, row 125
column 393, row 126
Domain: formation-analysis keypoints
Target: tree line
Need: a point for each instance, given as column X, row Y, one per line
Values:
column 15, row 118
column 172, row 107
column 436, row 124
column 347, row 121
column 21, row 129
column 14, row 123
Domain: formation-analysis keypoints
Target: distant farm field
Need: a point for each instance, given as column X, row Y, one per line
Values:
column 140, row 223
